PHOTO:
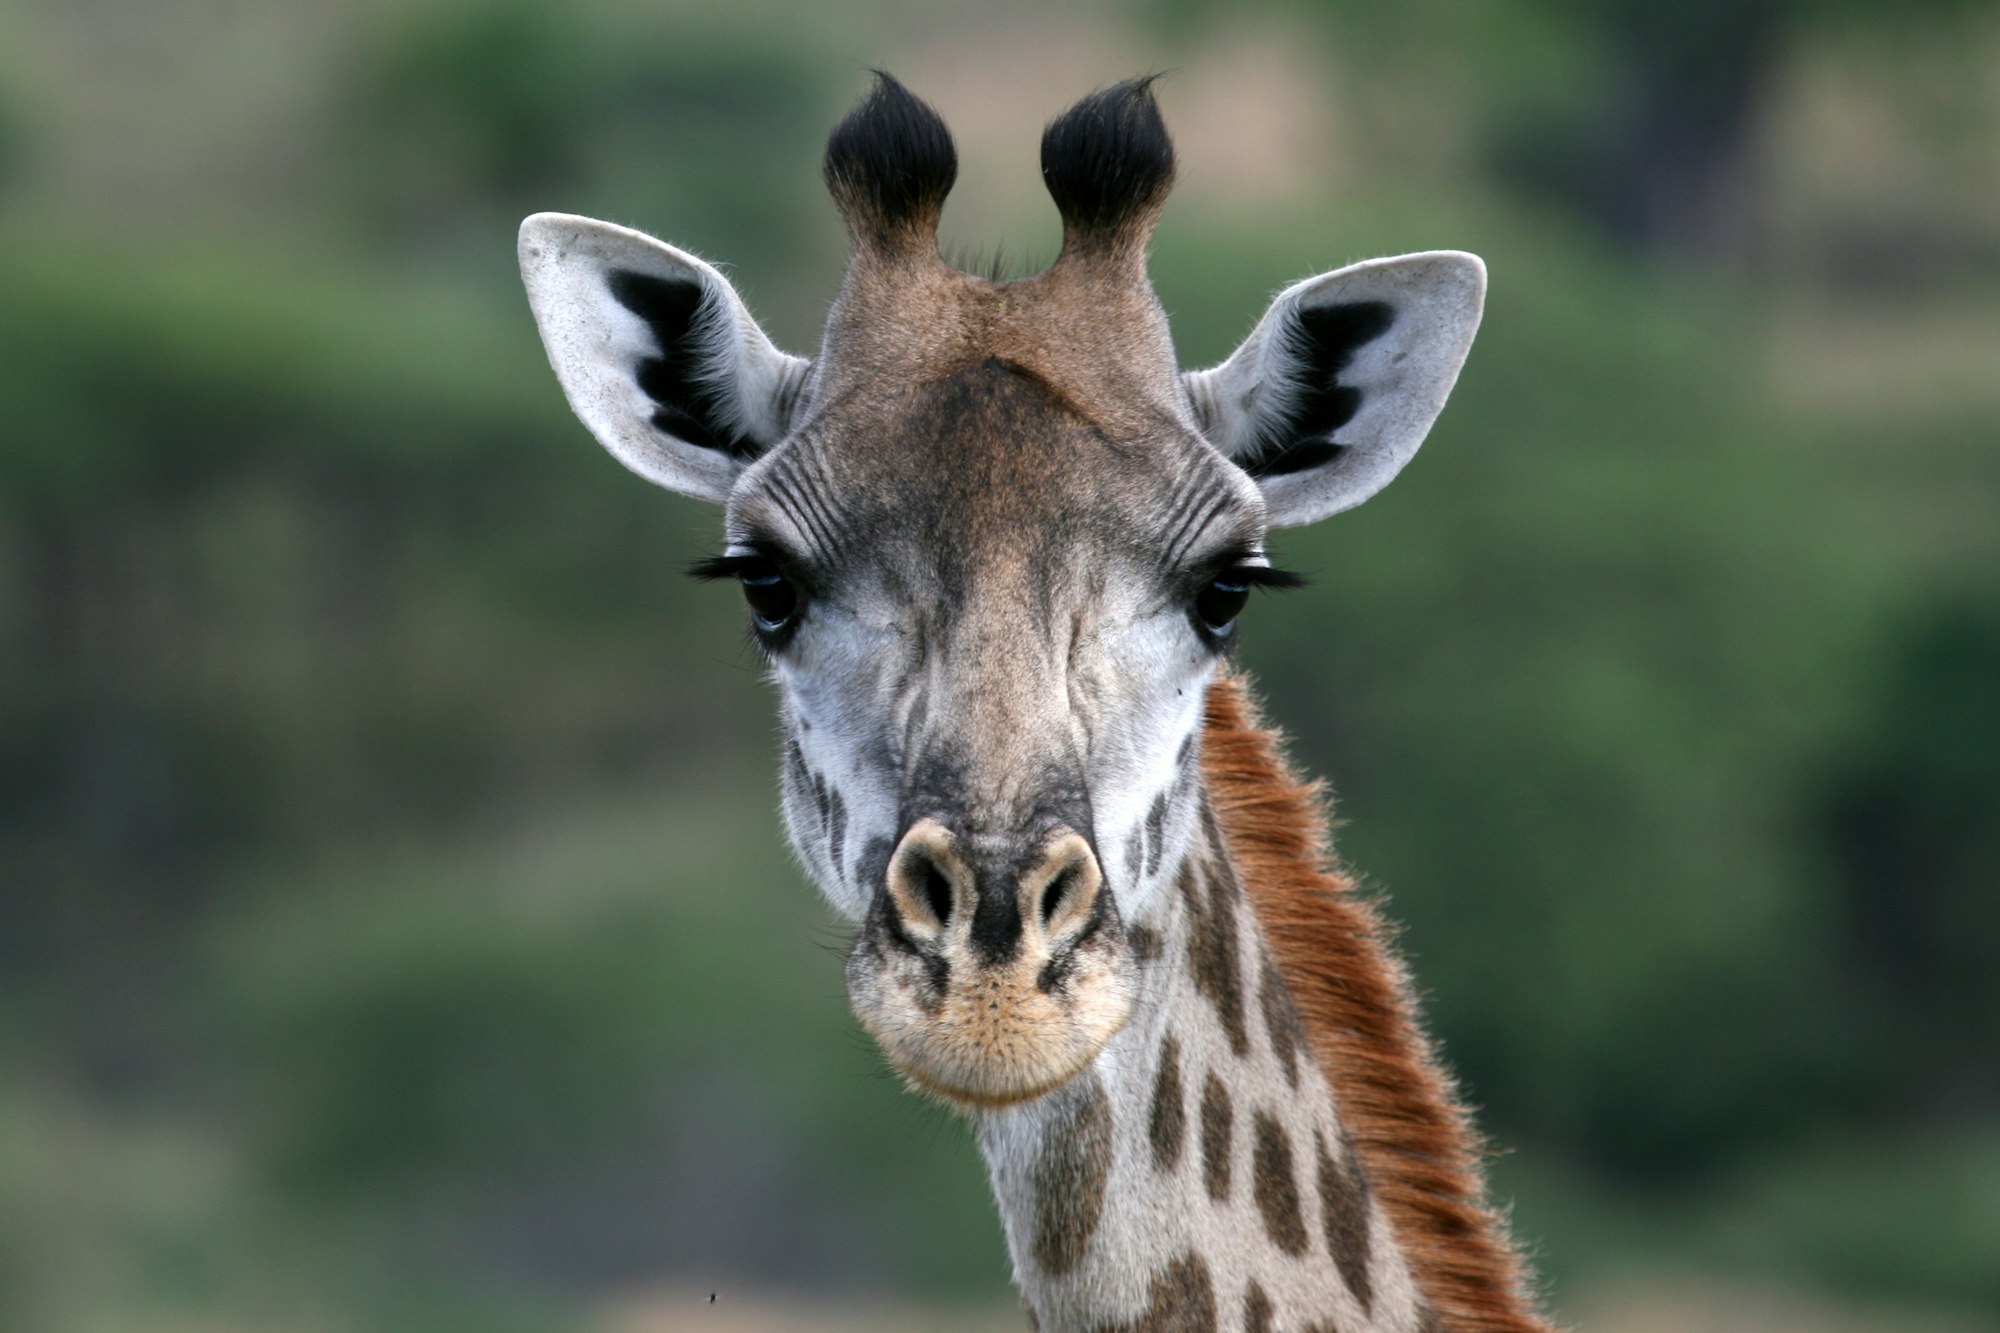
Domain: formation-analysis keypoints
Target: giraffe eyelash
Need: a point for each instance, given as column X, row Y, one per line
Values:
column 720, row 568
column 1266, row 576
column 1237, row 566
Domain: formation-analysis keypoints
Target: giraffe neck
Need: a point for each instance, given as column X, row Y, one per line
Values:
column 1269, row 1143
column 1202, row 1163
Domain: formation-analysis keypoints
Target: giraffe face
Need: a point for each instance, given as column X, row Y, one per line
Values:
column 993, row 543
column 991, row 621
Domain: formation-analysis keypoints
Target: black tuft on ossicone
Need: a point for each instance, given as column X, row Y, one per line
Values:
column 1108, row 161
column 890, row 163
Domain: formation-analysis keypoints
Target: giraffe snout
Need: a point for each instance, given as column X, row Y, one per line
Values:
column 991, row 974
column 1041, row 904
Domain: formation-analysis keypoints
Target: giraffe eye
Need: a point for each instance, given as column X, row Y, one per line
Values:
column 773, row 598
column 1218, row 604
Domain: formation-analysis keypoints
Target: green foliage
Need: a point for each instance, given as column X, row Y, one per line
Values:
column 1817, row 1212
column 472, row 116
column 649, row 996
column 1641, row 118
column 1912, row 815
column 230, row 361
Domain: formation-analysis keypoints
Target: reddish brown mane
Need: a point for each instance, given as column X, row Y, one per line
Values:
column 1421, row 1154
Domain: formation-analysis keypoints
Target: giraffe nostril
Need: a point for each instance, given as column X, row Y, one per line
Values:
column 1057, row 893
column 937, row 893
column 1061, row 891
column 926, row 878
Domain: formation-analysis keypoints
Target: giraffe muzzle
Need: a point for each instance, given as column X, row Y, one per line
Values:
column 991, row 979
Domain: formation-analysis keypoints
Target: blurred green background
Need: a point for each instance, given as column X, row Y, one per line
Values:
column 394, row 927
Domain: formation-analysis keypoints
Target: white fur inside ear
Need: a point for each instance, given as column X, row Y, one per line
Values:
column 596, row 345
column 1399, row 379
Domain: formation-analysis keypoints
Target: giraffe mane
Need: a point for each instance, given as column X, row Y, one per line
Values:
column 1400, row 1104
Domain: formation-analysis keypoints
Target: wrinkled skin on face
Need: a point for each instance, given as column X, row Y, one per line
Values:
column 991, row 684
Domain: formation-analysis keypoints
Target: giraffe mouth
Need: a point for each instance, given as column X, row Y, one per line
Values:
column 987, row 1099
column 996, row 1034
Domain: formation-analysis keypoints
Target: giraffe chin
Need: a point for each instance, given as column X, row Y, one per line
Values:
column 999, row 1039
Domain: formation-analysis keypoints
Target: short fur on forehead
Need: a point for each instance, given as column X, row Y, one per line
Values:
column 1109, row 163
column 889, row 165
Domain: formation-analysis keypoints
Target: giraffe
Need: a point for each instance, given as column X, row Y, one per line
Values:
column 995, row 546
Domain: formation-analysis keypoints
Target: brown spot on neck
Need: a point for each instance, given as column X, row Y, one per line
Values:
column 1070, row 1176
column 1281, row 1022
column 1216, row 1117
column 1166, row 1125
column 1208, row 887
column 1343, row 1203
column 1274, row 1186
column 1257, row 1310
column 1180, row 1298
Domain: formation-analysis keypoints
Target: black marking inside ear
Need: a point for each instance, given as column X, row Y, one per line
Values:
column 1301, row 457
column 687, row 405
column 1319, row 344
column 891, row 162
column 1108, row 161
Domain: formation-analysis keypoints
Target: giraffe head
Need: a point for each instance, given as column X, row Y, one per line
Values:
column 994, row 542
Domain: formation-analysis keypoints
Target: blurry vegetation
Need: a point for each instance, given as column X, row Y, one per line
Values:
column 1645, row 120
column 13, row 147
column 394, row 930
column 1660, row 149
column 1913, row 817
column 472, row 116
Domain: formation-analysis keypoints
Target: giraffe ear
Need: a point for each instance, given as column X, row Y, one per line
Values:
column 658, row 356
column 1337, row 385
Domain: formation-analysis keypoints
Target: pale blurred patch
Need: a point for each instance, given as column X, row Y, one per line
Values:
column 687, row 1311
column 1699, row 1304
column 1887, row 365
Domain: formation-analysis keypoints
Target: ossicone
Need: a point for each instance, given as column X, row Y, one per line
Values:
column 889, row 165
column 1109, row 163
